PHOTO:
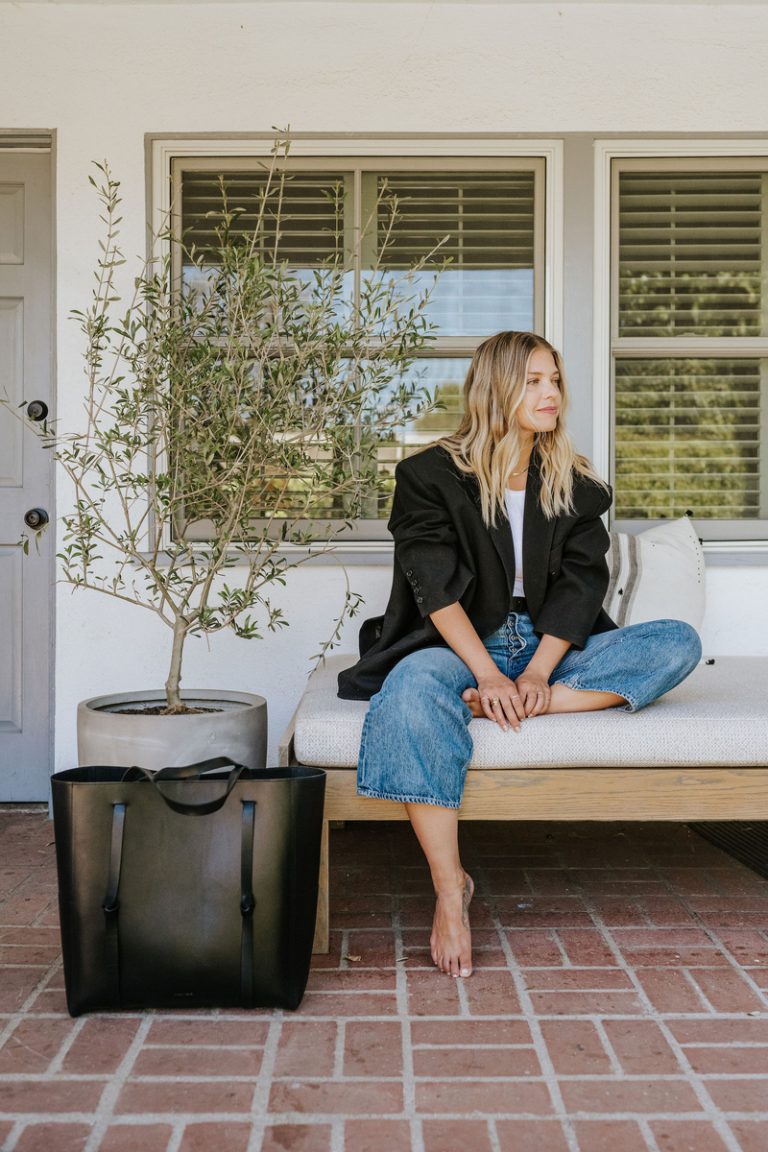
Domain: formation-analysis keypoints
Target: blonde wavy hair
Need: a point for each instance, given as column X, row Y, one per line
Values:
column 488, row 442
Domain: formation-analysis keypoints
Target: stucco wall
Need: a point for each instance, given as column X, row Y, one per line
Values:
column 105, row 75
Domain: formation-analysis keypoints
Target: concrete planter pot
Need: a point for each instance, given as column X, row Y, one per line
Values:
column 113, row 730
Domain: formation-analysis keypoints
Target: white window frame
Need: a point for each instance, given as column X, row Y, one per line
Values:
column 162, row 150
column 605, row 152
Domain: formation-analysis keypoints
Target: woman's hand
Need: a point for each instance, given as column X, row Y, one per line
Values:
column 533, row 684
column 501, row 700
column 496, row 697
column 535, row 692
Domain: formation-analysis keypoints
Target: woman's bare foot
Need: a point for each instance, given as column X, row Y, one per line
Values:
column 563, row 699
column 451, row 940
column 471, row 698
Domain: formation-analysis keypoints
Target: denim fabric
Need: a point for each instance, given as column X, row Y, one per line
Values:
column 415, row 745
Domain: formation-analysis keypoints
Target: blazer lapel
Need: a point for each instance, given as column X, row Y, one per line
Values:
column 500, row 533
column 537, row 540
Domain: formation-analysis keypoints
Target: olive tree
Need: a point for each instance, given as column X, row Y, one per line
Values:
column 231, row 417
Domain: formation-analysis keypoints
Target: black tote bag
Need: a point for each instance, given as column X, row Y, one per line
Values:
column 189, row 887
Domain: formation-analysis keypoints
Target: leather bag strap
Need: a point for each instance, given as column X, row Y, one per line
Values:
column 195, row 772
column 111, row 903
column 247, row 902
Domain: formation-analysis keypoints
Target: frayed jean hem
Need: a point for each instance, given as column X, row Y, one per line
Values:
column 632, row 704
column 407, row 799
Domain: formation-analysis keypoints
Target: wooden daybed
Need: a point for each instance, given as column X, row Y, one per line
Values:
column 698, row 754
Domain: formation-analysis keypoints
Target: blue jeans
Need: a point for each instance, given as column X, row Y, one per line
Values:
column 416, row 746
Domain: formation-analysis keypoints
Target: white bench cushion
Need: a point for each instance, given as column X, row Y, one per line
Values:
column 718, row 716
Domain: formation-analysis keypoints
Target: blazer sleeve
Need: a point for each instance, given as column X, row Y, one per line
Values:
column 427, row 548
column 575, row 597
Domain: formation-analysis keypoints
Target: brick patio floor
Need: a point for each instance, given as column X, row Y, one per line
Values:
column 620, row 1004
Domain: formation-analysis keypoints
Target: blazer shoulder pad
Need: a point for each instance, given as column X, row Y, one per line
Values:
column 591, row 498
column 430, row 464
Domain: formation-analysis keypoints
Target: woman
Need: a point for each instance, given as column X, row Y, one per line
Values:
column 495, row 609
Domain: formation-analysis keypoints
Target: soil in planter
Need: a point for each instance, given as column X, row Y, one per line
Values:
column 161, row 710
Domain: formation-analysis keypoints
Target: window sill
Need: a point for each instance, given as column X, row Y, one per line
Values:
column 717, row 553
column 735, row 553
column 378, row 553
column 351, row 553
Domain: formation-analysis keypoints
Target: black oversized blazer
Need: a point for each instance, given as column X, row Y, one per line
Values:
column 444, row 553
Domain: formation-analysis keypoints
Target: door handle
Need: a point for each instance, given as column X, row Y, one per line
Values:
column 36, row 518
column 37, row 410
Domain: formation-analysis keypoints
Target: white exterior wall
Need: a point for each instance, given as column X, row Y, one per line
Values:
column 104, row 75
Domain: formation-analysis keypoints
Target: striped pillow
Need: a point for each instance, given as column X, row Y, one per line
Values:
column 656, row 574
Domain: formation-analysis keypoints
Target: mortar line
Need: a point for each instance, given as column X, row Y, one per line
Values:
column 338, row 1050
column 648, row 1136
column 106, row 1108
column 13, row 1136
column 609, row 1048
column 55, row 1065
column 493, row 1135
column 264, row 1080
column 174, row 1141
column 401, row 999
column 558, row 940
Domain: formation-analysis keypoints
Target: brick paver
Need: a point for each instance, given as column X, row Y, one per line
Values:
column 135, row 1138
column 61, row 1137
column 619, row 1004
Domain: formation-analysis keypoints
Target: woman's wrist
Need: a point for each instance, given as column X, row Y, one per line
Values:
column 482, row 669
column 456, row 629
column 547, row 656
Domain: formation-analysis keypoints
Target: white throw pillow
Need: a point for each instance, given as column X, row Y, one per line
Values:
column 657, row 574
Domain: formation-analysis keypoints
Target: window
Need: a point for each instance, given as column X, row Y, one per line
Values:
column 689, row 341
column 490, row 208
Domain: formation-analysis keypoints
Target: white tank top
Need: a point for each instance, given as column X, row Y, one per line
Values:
column 515, row 505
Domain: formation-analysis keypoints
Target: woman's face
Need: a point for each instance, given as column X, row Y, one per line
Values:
column 540, row 409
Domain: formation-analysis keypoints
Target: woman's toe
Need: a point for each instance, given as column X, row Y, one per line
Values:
column 471, row 698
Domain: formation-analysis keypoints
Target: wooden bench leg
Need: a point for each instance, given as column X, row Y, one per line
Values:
column 321, row 941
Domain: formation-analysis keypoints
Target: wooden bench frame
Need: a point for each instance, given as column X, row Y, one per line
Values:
column 676, row 794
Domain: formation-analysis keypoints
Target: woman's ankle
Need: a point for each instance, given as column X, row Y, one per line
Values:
column 449, row 881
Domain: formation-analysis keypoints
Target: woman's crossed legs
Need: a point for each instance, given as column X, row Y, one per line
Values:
column 416, row 746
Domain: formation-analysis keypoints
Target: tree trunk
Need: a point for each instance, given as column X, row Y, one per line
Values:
column 173, row 683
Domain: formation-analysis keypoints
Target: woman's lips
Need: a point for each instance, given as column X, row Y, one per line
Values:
column 551, row 411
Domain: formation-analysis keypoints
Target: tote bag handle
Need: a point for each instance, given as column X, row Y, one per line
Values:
column 196, row 771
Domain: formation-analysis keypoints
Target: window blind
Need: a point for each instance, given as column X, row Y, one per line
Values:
column 311, row 207
column 688, row 437
column 487, row 217
column 486, row 223
column 690, row 253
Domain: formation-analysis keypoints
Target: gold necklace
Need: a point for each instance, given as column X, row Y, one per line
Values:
column 520, row 473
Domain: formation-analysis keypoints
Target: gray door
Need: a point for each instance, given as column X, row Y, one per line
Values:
column 25, row 476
